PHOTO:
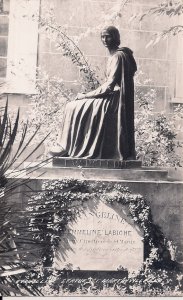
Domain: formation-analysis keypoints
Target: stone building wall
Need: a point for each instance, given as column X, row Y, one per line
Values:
column 4, row 12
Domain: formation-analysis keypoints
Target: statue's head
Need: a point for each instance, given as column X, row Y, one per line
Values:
column 110, row 37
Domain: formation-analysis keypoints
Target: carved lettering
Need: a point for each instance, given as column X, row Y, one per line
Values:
column 111, row 216
column 103, row 239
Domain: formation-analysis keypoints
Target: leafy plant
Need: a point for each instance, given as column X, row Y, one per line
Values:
column 15, row 255
column 169, row 8
column 149, row 283
column 156, row 133
column 69, row 49
column 48, row 107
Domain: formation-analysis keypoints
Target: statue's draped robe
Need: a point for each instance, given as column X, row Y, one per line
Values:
column 103, row 125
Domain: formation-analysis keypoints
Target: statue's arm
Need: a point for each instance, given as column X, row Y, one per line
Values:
column 108, row 86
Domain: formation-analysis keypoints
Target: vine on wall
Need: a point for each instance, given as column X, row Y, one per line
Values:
column 156, row 132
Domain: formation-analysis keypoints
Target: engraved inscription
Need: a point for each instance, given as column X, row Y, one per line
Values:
column 101, row 239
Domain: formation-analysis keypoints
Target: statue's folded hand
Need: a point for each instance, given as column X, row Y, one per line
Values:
column 80, row 96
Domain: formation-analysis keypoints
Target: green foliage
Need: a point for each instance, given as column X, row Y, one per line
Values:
column 169, row 8
column 143, row 283
column 156, row 133
column 155, row 283
column 9, row 130
column 15, row 258
column 149, row 282
column 51, row 210
column 7, row 138
column 48, row 107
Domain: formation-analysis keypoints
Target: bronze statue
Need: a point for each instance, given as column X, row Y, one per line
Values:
column 100, row 124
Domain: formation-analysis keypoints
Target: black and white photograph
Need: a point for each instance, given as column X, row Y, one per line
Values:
column 91, row 159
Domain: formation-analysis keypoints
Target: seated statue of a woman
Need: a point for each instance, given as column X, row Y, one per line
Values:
column 100, row 124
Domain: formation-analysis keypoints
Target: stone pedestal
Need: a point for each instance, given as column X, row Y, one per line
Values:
column 96, row 163
column 99, row 169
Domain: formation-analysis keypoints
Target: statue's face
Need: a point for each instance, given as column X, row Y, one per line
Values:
column 107, row 39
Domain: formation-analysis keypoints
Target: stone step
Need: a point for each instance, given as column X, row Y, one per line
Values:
column 55, row 172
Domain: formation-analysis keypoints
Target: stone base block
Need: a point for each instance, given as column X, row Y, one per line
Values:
column 56, row 172
column 96, row 163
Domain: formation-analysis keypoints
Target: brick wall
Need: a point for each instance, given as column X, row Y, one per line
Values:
column 157, row 63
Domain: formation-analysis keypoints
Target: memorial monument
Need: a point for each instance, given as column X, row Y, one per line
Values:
column 98, row 132
column 97, row 144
